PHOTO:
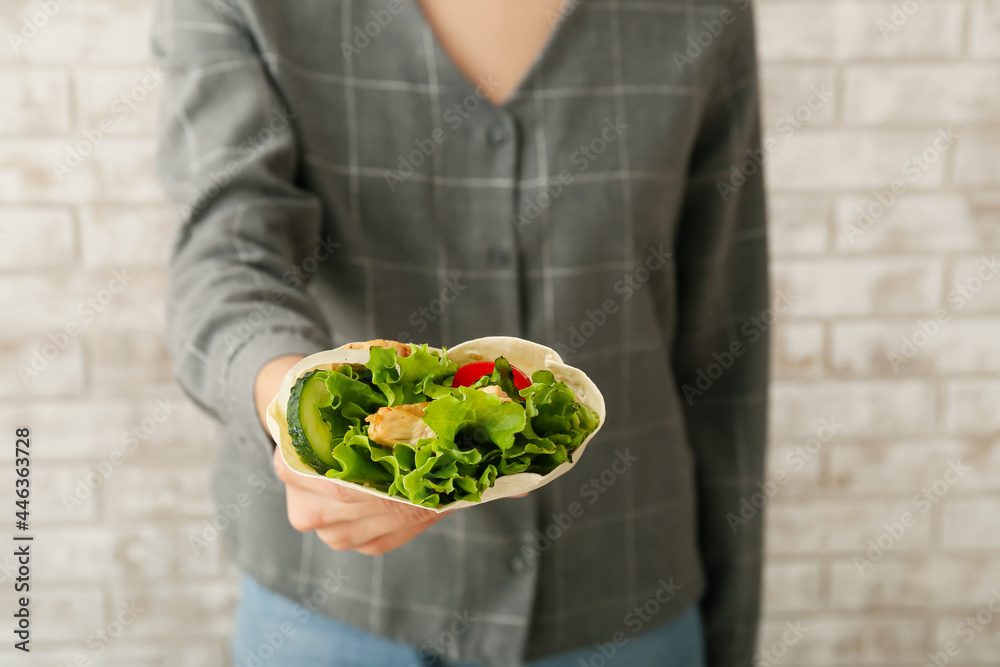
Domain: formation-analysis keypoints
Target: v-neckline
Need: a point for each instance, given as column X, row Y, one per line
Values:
column 566, row 10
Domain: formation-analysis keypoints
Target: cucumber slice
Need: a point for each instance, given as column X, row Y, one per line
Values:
column 311, row 434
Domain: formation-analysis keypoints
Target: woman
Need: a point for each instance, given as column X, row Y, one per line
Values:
column 443, row 171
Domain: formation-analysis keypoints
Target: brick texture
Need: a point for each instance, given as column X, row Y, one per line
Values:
column 855, row 95
column 873, row 269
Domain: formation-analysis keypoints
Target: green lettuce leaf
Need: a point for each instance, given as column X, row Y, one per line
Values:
column 477, row 437
column 482, row 417
column 555, row 417
column 411, row 379
column 503, row 377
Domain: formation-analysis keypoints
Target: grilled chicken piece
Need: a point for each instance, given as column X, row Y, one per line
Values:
column 398, row 424
column 402, row 423
column 498, row 392
column 402, row 349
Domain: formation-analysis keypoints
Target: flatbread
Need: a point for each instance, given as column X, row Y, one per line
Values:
column 523, row 354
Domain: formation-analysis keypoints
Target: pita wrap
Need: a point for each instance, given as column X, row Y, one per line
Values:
column 522, row 354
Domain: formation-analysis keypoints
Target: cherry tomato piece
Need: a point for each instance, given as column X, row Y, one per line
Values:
column 467, row 375
column 521, row 381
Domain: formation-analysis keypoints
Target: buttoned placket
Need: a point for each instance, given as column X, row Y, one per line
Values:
column 501, row 138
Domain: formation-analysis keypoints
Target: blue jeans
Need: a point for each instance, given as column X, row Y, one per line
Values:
column 273, row 631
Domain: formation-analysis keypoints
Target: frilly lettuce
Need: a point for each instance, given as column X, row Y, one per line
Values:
column 477, row 436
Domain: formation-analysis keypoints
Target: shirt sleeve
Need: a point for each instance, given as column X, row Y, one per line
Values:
column 720, row 352
column 249, row 237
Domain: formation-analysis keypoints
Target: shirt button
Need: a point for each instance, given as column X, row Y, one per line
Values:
column 517, row 565
column 499, row 255
column 497, row 135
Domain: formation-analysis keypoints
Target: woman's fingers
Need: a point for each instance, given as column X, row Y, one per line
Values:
column 354, row 534
column 406, row 513
column 315, row 485
column 346, row 518
column 309, row 511
column 390, row 541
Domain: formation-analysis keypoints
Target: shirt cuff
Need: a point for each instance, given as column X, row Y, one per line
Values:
column 241, row 373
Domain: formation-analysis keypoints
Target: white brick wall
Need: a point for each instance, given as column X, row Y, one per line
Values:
column 860, row 296
column 860, row 299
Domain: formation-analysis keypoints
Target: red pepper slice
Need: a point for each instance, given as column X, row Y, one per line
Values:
column 521, row 381
column 467, row 375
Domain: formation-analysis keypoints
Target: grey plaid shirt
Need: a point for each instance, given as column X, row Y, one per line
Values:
column 339, row 180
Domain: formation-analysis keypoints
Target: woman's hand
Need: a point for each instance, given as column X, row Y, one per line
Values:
column 342, row 517
column 268, row 382
column 348, row 519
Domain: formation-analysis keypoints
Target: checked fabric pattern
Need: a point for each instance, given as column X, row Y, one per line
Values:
column 339, row 179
